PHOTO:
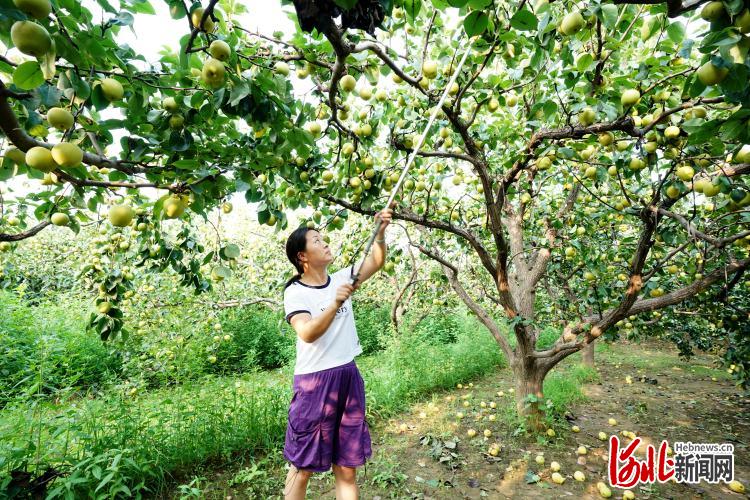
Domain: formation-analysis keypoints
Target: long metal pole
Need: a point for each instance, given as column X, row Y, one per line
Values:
column 413, row 155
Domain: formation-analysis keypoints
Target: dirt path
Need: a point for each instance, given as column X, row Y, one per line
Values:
column 426, row 453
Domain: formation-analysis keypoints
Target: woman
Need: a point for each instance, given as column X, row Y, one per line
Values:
column 326, row 425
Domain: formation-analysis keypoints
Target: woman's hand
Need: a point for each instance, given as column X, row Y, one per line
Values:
column 343, row 292
column 385, row 215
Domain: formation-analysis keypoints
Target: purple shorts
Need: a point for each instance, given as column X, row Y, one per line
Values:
column 327, row 420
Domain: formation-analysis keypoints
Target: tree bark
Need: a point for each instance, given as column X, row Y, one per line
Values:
column 529, row 378
column 588, row 355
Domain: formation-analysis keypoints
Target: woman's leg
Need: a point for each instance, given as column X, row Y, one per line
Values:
column 295, row 486
column 346, row 482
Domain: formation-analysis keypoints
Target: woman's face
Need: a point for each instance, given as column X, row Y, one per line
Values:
column 316, row 252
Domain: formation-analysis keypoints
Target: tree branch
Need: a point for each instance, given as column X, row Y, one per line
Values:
column 208, row 11
column 451, row 272
column 25, row 234
column 422, row 220
column 674, row 7
column 23, row 141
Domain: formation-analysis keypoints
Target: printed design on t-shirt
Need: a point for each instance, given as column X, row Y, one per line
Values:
column 340, row 312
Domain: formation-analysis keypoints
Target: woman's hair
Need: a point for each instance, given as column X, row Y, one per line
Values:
column 297, row 242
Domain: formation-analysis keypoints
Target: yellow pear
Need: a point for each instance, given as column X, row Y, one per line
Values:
column 170, row 104
column 430, row 69
column 213, row 73
column 348, row 83
column 60, row 219
column 41, row 159
column 30, row 38
column 219, row 49
column 572, row 23
column 121, row 215
column 743, row 155
column 314, row 128
column 557, row 478
column 712, row 11
column 587, row 116
column 630, row 97
column 173, row 207
column 365, row 93
column 281, row 68
column 736, row 486
column 112, row 89
column 604, row 490
column 709, row 74
column 38, row 9
column 208, row 25
column 67, row 154
column 60, row 118
column 15, row 155
column 176, row 121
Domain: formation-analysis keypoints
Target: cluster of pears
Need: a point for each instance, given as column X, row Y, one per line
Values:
column 64, row 154
column 171, row 106
column 716, row 14
column 123, row 215
column 213, row 71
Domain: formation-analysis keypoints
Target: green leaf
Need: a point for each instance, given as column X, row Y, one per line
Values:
column 457, row 3
column 263, row 216
column 609, row 15
column 478, row 4
column 81, row 88
column 705, row 132
column 584, row 62
column 28, row 75
column 736, row 80
column 412, row 8
column 475, row 23
column 184, row 58
column 239, row 92
column 98, row 98
column 676, row 32
column 47, row 62
column 524, row 20
column 231, row 251
column 186, row 164
column 532, row 478
column 7, row 169
column 143, row 7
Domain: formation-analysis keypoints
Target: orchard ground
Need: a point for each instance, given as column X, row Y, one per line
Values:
column 425, row 452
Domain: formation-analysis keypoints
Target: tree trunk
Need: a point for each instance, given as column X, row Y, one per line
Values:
column 529, row 378
column 588, row 355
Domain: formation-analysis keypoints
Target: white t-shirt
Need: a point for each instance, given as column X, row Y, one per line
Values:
column 340, row 343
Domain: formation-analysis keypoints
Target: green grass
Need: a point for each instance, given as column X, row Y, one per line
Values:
column 563, row 386
column 46, row 351
column 652, row 359
column 125, row 443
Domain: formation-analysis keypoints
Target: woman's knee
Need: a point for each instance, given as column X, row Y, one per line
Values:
column 300, row 473
column 348, row 474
